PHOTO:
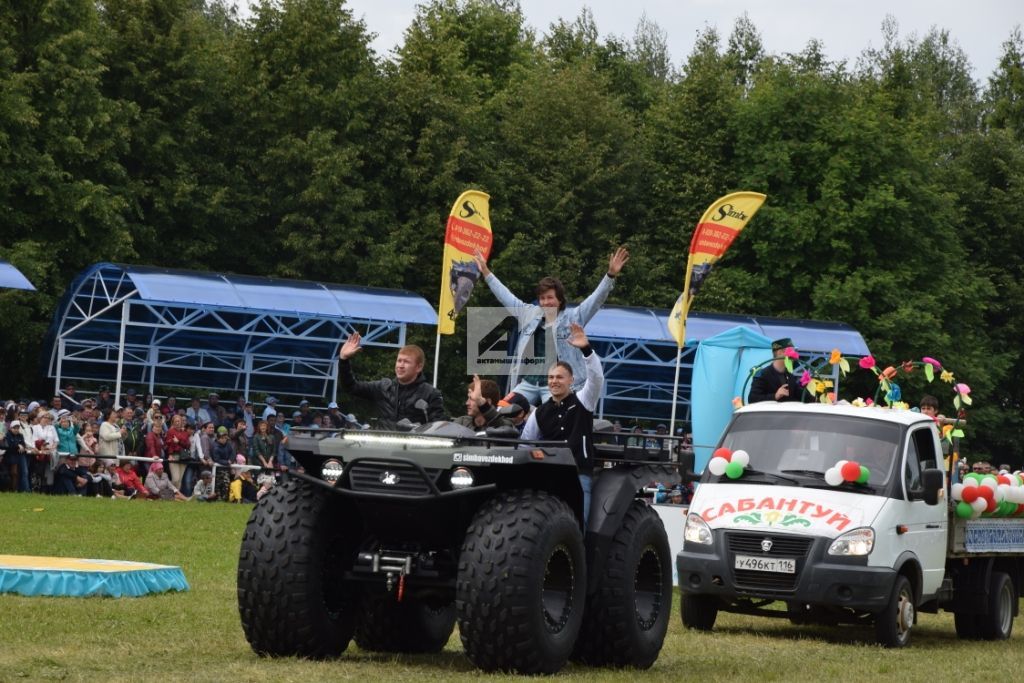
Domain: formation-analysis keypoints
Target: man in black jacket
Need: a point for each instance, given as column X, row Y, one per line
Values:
column 774, row 382
column 394, row 398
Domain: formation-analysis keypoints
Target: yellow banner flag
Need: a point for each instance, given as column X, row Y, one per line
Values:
column 715, row 232
column 468, row 230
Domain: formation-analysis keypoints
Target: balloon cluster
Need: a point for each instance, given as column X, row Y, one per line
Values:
column 727, row 462
column 847, row 471
column 990, row 495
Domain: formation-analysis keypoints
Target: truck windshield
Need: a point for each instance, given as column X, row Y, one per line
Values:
column 808, row 444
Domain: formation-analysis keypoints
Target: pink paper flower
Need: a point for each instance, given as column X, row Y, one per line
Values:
column 931, row 361
column 962, row 389
column 805, row 378
column 869, row 402
column 867, row 362
column 791, row 353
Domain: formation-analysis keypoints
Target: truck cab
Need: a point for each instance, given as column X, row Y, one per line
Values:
column 832, row 552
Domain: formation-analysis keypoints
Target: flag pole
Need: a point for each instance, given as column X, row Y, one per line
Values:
column 675, row 393
column 437, row 355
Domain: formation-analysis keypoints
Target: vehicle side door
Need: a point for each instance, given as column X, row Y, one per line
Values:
column 926, row 525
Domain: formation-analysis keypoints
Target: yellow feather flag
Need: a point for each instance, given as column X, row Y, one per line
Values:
column 715, row 232
column 468, row 230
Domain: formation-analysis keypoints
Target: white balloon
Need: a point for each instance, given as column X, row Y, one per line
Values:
column 1002, row 492
column 717, row 466
column 990, row 482
column 833, row 477
column 839, row 465
column 979, row 505
column 957, row 491
column 976, row 513
column 742, row 457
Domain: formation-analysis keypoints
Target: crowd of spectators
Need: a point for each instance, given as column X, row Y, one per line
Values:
column 147, row 448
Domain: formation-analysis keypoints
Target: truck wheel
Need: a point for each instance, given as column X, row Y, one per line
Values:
column 410, row 626
column 699, row 611
column 625, row 621
column 521, row 583
column 966, row 625
column 893, row 624
column 291, row 595
column 997, row 622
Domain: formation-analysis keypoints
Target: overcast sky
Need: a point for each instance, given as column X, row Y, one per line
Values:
column 845, row 26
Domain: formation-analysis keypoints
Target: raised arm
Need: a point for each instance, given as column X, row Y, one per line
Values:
column 593, row 303
column 505, row 297
column 590, row 394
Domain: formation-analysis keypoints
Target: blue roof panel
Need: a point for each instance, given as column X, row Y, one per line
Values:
column 12, row 278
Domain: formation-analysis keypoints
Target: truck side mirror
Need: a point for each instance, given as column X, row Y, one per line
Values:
column 932, row 480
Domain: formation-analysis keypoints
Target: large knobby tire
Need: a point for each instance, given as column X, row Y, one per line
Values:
column 521, row 584
column 894, row 623
column 410, row 626
column 997, row 622
column 627, row 616
column 291, row 595
column 699, row 612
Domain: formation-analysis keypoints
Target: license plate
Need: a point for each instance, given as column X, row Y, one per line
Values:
column 779, row 565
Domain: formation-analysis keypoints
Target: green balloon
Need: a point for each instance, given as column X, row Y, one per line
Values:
column 865, row 474
column 964, row 510
column 973, row 477
column 734, row 470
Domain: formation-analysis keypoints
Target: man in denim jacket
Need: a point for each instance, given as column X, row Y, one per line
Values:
column 534, row 319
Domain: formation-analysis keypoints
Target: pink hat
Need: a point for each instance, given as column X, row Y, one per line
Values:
column 156, row 467
column 240, row 459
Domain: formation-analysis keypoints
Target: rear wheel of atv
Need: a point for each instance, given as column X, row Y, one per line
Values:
column 410, row 626
column 291, row 595
column 627, row 617
column 521, row 584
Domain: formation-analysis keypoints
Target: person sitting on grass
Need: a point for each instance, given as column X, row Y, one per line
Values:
column 204, row 491
column 67, row 481
column 159, row 485
column 129, row 478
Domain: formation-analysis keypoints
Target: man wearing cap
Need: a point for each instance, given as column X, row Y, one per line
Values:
column 271, row 409
column 104, row 401
column 305, row 418
column 205, row 492
column 215, row 409
column 395, row 399
column 520, row 401
column 775, row 382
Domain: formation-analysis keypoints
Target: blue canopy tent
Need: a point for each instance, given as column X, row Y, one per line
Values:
column 149, row 326
column 639, row 354
column 12, row 278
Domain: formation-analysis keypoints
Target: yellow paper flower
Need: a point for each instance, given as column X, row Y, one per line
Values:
column 946, row 376
column 835, row 357
column 946, row 429
column 819, row 386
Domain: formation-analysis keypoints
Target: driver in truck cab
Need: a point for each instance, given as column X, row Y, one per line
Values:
column 569, row 415
column 407, row 396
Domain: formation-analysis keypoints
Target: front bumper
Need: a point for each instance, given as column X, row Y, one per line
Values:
column 820, row 579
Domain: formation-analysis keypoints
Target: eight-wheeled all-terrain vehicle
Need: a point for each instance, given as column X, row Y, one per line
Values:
column 391, row 538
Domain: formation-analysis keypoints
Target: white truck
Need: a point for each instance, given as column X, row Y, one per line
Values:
column 877, row 552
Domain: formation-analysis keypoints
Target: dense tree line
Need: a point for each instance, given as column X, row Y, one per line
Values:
column 170, row 132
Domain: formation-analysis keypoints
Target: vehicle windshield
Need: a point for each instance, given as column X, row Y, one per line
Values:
column 800, row 447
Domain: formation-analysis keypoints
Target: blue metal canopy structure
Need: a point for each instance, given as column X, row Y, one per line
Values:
column 12, row 278
column 153, row 326
column 639, row 354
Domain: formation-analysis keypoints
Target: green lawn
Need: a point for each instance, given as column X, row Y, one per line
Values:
column 197, row 635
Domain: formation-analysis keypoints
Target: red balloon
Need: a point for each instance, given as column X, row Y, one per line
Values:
column 1003, row 479
column 992, row 505
column 1020, row 510
column 723, row 452
column 970, row 494
column 850, row 471
column 987, row 493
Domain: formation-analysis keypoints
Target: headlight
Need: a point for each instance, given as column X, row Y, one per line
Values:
column 331, row 470
column 856, row 542
column 697, row 530
column 461, row 478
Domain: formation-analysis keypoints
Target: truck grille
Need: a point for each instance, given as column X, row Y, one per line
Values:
column 782, row 546
column 395, row 478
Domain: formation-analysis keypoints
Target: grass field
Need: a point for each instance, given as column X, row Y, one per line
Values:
column 197, row 635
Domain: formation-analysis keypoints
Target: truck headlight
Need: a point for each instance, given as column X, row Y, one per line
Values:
column 697, row 530
column 856, row 542
column 461, row 478
column 331, row 470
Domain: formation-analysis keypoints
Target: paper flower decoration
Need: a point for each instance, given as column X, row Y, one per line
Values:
column 908, row 366
column 835, row 357
column 848, row 471
column 962, row 388
column 932, row 362
column 946, row 376
column 867, row 362
column 888, row 373
column 790, row 352
column 805, row 378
